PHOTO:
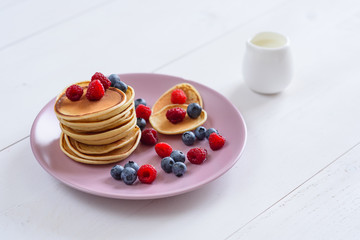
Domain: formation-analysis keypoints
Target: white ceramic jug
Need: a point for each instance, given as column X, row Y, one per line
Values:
column 268, row 66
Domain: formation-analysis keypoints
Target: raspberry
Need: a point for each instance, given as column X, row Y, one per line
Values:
column 143, row 111
column 163, row 149
column 95, row 90
column 175, row 115
column 146, row 173
column 178, row 96
column 149, row 136
column 197, row 155
column 101, row 77
column 216, row 141
column 74, row 92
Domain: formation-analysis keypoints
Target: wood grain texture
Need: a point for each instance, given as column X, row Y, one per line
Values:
column 325, row 207
column 31, row 18
column 298, row 171
column 122, row 37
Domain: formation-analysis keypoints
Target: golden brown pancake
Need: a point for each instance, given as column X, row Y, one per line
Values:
column 98, row 132
column 161, row 124
column 100, row 138
column 84, row 109
column 101, row 149
column 130, row 94
column 111, row 157
column 192, row 96
column 101, row 125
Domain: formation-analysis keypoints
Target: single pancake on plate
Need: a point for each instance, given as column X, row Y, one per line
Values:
column 192, row 96
column 161, row 124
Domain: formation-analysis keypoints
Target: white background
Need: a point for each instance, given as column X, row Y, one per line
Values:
column 299, row 176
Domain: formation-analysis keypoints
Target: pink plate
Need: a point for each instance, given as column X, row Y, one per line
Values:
column 96, row 180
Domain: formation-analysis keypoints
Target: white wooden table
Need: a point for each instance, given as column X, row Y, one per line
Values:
column 299, row 176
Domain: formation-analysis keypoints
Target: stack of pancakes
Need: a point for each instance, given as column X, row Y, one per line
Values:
column 98, row 132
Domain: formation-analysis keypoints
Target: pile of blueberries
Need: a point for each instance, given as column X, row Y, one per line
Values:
column 175, row 163
column 200, row 133
column 128, row 173
column 117, row 83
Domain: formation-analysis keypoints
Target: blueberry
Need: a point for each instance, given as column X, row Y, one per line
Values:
column 128, row 175
column 200, row 132
column 113, row 79
column 139, row 101
column 188, row 138
column 167, row 164
column 194, row 110
column 179, row 169
column 210, row 131
column 133, row 165
column 121, row 85
column 116, row 172
column 178, row 156
column 141, row 123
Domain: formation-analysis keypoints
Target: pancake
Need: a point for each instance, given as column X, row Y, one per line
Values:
column 84, row 109
column 130, row 94
column 192, row 96
column 111, row 157
column 161, row 124
column 115, row 153
column 100, row 138
column 101, row 125
column 101, row 149
column 98, row 132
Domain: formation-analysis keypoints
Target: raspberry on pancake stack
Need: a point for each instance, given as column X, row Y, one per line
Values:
column 98, row 121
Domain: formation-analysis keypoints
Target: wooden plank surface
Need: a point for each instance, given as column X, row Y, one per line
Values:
column 325, row 207
column 122, row 37
column 22, row 20
column 299, row 165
